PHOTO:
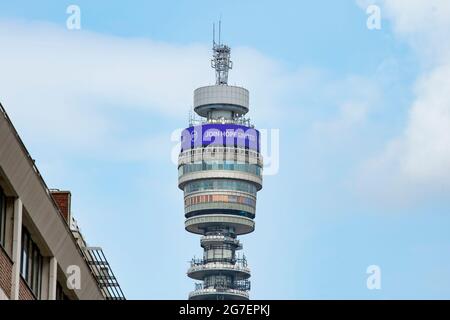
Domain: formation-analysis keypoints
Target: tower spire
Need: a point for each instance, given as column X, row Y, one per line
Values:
column 221, row 60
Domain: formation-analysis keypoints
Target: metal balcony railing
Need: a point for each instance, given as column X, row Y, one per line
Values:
column 194, row 120
column 240, row 262
column 103, row 274
column 241, row 285
column 221, row 238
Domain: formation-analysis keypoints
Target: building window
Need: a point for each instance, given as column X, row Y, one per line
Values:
column 220, row 184
column 219, row 198
column 219, row 165
column 60, row 295
column 31, row 263
column 2, row 217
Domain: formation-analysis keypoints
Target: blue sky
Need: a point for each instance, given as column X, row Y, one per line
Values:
column 363, row 116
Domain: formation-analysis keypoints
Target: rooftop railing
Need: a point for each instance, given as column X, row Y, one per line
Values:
column 239, row 262
column 241, row 285
column 195, row 121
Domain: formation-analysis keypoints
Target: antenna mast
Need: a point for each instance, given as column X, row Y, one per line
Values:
column 221, row 60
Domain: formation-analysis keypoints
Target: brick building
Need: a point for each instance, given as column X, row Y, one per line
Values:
column 43, row 254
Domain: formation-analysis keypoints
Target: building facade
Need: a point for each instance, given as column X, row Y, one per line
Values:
column 220, row 173
column 43, row 255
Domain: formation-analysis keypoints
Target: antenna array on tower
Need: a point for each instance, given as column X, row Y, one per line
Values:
column 221, row 60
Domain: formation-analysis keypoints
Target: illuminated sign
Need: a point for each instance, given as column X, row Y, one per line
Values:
column 217, row 134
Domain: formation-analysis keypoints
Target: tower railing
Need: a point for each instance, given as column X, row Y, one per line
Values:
column 241, row 285
column 195, row 121
column 239, row 262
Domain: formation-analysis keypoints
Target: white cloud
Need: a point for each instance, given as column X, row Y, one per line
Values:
column 62, row 86
column 425, row 25
column 54, row 81
column 427, row 136
column 351, row 114
column 352, row 100
column 418, row 161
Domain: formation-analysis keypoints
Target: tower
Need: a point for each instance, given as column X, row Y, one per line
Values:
column 220, row 172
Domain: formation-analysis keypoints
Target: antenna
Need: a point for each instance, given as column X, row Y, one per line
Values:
column 221, row 57
column 220, row 23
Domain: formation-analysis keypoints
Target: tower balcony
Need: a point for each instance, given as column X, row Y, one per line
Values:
column 202, row 268
column 236, row 290
column 200, row 223
column 220, row 239
column 218, row 294
column 240, row 120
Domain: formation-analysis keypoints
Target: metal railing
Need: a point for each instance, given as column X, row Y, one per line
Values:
column 240, row 262
column 241, row 285
column 194, row 121
column 103, row 273
column 220, row 238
